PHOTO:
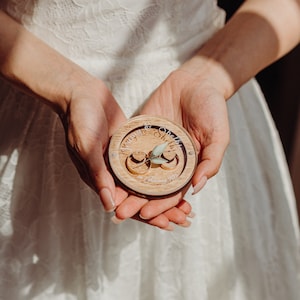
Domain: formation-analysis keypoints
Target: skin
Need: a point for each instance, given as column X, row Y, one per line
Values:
column 88, row 111
column 195, row 95
column 258, row 34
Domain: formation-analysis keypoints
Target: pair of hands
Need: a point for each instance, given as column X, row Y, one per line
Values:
column 93, row 115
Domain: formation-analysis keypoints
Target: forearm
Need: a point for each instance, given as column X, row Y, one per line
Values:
column 35, row 67
column 258, row 34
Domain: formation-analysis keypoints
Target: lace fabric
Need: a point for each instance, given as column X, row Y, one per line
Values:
column 56, row 241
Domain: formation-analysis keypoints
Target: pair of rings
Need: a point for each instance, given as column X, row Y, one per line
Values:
column 140, row 162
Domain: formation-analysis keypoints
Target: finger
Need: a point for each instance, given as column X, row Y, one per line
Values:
column 130, row 207
column 160, row 221
column 102, row 180
column 120, row 195
column 185, row 206
column 92, row 179
column 156, row 207
column 177, row 216
column 81, row 167
column 211, row 158
column 89, row 160
column 163, row 221
column 180, row 213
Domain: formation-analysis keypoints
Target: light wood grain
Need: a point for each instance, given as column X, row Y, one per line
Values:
column 140, row 175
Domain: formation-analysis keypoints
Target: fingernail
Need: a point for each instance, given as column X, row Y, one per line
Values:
column 143, row 218
column 170, row 227
column 107, row 200
column 185, row 224
column 116, row 220
column 191, row 215
column 199, row 185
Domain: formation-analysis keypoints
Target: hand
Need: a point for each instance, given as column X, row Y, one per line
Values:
column 196, row 104
column 199, row 107
column 91, row 118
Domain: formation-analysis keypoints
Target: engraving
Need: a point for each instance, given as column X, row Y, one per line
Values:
column 152, row 157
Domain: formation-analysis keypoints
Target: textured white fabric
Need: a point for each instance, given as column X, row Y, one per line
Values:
column 56, row 241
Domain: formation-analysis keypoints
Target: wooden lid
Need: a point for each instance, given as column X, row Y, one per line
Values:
column 152, row 156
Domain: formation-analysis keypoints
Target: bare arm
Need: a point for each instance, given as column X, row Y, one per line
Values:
column 35, row 67
column 80, row 99
column 259, row 33
column 89, row 112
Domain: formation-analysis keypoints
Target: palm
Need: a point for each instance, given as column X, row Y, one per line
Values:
column 201, row 110
column 93, row 116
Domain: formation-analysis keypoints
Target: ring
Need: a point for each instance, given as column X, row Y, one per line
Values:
column 137, row 163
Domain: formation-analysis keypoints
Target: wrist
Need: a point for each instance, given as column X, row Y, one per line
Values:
column 203, row 68
column 36, row 68
column 71, row 83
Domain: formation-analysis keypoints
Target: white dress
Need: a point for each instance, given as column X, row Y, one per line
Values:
column 56, row 242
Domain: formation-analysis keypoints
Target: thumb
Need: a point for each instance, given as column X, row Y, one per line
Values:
column 101, row 179
column 211, row 158
column 93, row 171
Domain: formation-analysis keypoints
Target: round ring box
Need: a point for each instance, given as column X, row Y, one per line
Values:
column 152, row 157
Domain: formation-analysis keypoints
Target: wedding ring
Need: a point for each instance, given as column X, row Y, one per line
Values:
column 137, row 163
column 172, row 159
